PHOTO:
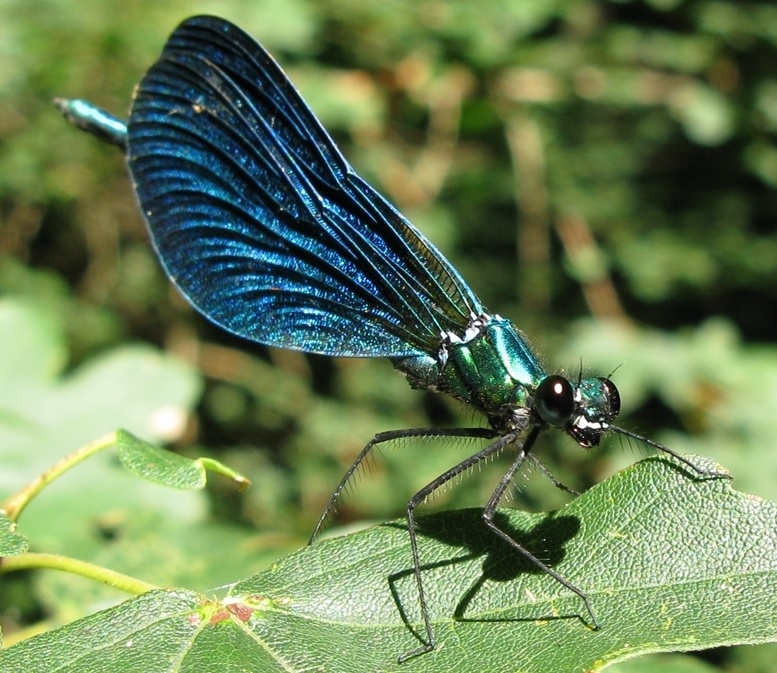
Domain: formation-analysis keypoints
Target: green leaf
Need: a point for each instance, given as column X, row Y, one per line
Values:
column 11, row 543
column 33, row 346
column 158, row 465
column 666, row 663
column 669, row 562
column 45, row 415
column 167, row 468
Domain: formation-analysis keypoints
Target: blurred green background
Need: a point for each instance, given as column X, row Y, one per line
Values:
column 601, row 172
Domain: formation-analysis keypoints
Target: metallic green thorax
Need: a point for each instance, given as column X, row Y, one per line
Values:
column 490, row 367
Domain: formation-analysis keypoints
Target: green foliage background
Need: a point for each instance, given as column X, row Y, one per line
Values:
column 601, row 172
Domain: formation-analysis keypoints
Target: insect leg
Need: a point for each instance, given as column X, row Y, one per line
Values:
column 382, row 438
column 488, row 517
column 701, row 471
column 549, row 475
column 495, row 447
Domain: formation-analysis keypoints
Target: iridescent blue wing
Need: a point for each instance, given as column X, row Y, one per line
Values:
column 262, row 223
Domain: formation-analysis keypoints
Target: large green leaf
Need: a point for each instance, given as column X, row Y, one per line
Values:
column 670, row 563
column 666, row 663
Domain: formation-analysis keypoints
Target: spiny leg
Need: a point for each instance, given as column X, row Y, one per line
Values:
column 549, row 475
column 488, row 517
column 705, row 473
column 420, row 497
column 382, row 438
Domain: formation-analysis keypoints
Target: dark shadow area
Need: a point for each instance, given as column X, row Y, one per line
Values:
column 470, row 538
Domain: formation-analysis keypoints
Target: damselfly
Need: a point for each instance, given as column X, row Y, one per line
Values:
column 268, row 231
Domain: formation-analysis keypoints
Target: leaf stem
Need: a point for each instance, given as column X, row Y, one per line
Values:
column 14, row 505
column 130, row 585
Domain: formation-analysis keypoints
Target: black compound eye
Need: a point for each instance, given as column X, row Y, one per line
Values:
column 613, row 397
column 555, row 400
